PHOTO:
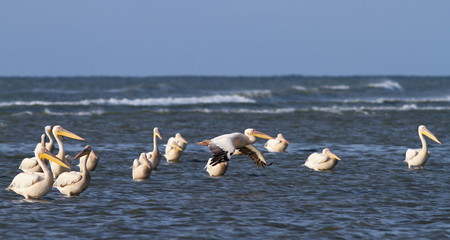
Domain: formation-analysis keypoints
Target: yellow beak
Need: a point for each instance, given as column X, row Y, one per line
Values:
column 329, row 153
column 86, row 151
column 69, row 134
column 261, row 135
column 430, row 135
column 174, row 145
column 53, row 158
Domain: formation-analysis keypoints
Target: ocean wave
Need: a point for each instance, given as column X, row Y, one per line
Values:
column 23, row 113
column 387, row 84
column 337, row 87
column 81, row 113
column 406, row 107
column 392, row 100
column 255, row 93
column 215, row 99
column 245, row 110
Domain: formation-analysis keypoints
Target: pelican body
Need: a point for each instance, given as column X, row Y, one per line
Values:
column 142, row 167
column 174, row 148
column 33, row 185
column 416, row 158
column 279, row 144
column 155, row 156
column 58, row 133
column 326, row 160
column 91, row 160
column 223, row 146
column 31, row 164
column 73, row 183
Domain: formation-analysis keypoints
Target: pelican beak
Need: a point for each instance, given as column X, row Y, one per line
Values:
column 427, row 133
column 261, row 135
column 158, row 134
column 86, row 151
column 53, row 158
column 183, row 140
column 66, row 133
column 147, row 162
column 329, row 153
column 174, row 145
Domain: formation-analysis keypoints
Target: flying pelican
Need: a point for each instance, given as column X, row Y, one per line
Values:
column 31, row 164
column 418, row 157
column 58, row 133
column 223, row 146
column 142, row 168
column 92, row 160
column 33, row 185
column 155, row 156
column 174, row 148
column 326, row 160
column 278, row 144
column 73, row 183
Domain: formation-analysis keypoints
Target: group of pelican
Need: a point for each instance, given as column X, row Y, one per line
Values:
column 37, row 179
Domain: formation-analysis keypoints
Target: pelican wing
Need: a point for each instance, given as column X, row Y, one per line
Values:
column 411, row 153
column 218, row 155
column 28, row 163
column 23, row 180
column 254, row 154
column 318, row 158
column 67, row 178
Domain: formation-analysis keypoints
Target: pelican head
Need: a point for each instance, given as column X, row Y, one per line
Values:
column 280, row 136
column 48, row 129
column 253, row 132
column 60, row 131
column 175, row 145
column 329, row 153
column 179, row 137
column 144, row 159
column 86, row 151
column 424, row 131
column 157, row 133
column 42, row 153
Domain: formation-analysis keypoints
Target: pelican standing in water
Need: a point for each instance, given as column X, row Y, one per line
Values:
column 279, row 144
column 33, row 185
column 223, row 146
column 31, row 164
column 58, row 133
column 326, row 160
column 142, row 167
column 174, row 148
column 155, row 156
column 73, row 183
column 418, row 157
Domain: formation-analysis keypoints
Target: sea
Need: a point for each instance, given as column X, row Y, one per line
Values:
column 368, row 121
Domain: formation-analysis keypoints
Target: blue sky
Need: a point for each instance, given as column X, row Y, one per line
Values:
column 233, row 37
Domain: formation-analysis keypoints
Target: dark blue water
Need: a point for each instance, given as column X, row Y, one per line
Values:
column 369, row 122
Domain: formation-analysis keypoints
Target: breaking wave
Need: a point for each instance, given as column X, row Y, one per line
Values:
column 387, row 84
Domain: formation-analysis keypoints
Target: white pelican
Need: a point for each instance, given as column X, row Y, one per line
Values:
column 326, row 160
column 73, row 183
column 222, row 147
column 174, row 148
column 155, row 156
column 58, row 133
column 278, row 144
column 92, row 160
column 141, row 168
column 418, row 157
column 36, row 184
column 31, row 164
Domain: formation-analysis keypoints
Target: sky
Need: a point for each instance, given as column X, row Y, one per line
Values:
column 229, row 37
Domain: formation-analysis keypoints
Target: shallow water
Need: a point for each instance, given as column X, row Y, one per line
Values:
column 368, row 121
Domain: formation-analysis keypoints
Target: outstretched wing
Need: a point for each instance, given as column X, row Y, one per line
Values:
column 254, row 154
column 218, row 154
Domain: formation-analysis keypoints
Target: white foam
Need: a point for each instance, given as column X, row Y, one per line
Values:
column 337, row 87
column 255, row 93
column 245, row 110
column 22, row 113
column 387, row 84
column 81, row 113
column 406, row 107
column 215, row 99
column 300, row 88
column 406, row 100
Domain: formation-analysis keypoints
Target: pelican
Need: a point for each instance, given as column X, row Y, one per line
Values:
column 73, row 183
column 33, row 185
column 223, row 146
column 418, row 157
column 31, row 164
column 174, row 148
column 278, row 144
column 142, row 168
column 155, row 156
column 92, row 160
column 326, row 160
column 58, row 133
